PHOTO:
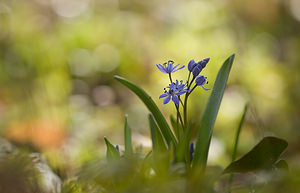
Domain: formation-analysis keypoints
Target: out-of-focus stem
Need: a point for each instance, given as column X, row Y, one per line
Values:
column 186, row 100
column 170, row 77
column 179, row 115
column 188, row 79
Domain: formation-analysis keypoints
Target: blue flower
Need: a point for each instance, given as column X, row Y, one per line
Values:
column 191, row 150
column 200, row 81
column 168, row 67
column 196, row 68
column 175, row 90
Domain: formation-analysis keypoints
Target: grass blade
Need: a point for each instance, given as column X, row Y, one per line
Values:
column 161, row 121
column 210, row 115
column 236, row 142
column 112, row 154
column 127, row 138
column 158, row 143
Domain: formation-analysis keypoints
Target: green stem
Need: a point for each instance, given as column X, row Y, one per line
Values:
column 177, row 124
column 193, row 88
column 186, row 100
column 185, row 108
column 188, row 79
column 180, row 100
column 179, row 115
column 170, row 77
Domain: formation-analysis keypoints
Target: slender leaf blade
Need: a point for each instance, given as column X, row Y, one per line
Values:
column 237, row 135
column 112, row 154
column 263, row 156
column 152, row 107
column 210, row 115
column 236, row 142
column 182, row 150
column 156, row 136
column 127, row 138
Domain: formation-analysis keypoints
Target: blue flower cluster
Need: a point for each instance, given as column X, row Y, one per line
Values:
column 175, row 89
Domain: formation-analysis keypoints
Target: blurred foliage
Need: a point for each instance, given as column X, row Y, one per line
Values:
column 58, row 58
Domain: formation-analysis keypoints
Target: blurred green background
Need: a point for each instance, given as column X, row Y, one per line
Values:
column 58, row 58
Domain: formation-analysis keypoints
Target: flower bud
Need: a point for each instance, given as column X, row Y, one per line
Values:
column 191, row 65
column 201, row 80
column 204, row 62
column 197, row 69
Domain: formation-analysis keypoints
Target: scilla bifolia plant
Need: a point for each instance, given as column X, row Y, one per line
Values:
column 178, row 142
column 174, row 164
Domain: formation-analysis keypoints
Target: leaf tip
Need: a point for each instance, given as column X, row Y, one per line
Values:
column 106, row 140
column 116, row 77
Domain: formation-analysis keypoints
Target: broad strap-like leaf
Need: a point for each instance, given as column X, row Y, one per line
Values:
column 263, row 156
column 127, row 138
column 112, row 154
column 158, row 144
column 147, row 100
column 210, row 115
column 182, row 149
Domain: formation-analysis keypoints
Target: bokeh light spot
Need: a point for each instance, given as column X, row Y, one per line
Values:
column 70, row 8
column 107, row 57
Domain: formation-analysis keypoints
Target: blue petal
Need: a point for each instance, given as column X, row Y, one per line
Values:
column 172, row 86
column 174, row 68
column 163, row 95
column 181, row 86
column 170, row 67
column 205, row 88
column 191, row 150
column 175, row 100
column 166, row 100
column 181, row 92
column 178, row 68
column 161, row 68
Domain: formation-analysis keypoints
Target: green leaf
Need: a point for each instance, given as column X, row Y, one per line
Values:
column 176, row 127
column 263, row 156
column 182, row 150
column 237, row 136
column 282, row 164
column 161, row 121
column 236, row 142
column 112, row 154
column 210, row 115
column 127, row 138
column 157, row 138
